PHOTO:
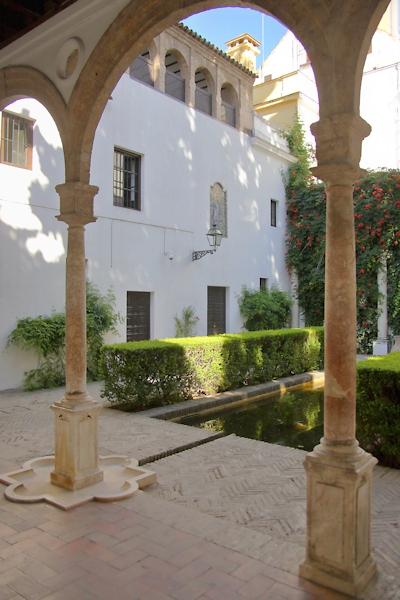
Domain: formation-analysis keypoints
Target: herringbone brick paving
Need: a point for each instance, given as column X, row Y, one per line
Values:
column 262, row 486
column 226, row 520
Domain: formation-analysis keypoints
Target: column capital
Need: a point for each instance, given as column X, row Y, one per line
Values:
column 339, row 140
column 76, row 202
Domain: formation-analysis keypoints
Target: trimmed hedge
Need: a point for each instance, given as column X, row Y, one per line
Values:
column 378, row 407
column 148, row 373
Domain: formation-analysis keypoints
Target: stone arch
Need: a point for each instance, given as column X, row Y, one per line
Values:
column 177, row 77
column 116, row 50
column 25, row 82
column 205, row 90
column 340, row 92
column 143, row 67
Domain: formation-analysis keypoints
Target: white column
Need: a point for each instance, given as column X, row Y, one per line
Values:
column 295, row 301
column 380, row 346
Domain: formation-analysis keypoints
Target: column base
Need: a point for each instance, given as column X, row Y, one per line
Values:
column 380, row 347
column 396, row 345
column 122, row 479
column 76, row 463
column 340, row 581
column 338, row 517
column 76, row 483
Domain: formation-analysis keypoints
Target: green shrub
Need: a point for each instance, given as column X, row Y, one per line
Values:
column 141, row 374
column 185, row 326
column 145, row 373
column 378, row 407
column 264, row 309
column 100, row 319
column 45, row 335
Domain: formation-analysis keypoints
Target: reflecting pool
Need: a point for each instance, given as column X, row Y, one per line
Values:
column 294, row 418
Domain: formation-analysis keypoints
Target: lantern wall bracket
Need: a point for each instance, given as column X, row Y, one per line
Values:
column 197, row 254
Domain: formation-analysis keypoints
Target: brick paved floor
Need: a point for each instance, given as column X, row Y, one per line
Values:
column 148, row 547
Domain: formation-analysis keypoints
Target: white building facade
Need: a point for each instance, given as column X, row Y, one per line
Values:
column 286, row 84
column 167, row 171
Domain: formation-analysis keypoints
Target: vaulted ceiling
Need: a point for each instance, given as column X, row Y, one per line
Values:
column 20, row 16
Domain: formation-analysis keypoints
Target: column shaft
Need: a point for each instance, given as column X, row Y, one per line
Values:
column 340, row 317
column 381, row 345
column 383, row 317
column 75, row 305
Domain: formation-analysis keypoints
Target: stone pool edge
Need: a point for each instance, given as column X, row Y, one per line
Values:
column 200, row 405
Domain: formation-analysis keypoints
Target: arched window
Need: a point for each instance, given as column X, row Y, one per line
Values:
column 142, row 68
column 174, row 80
column 203, row 93
column 229, row 104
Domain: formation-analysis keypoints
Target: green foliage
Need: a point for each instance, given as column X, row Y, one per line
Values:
column 46, row 337
column 141, row 374
column 377, row 238
column 378, row 407
column 148, row 373
column 185, row 326
column 100, row 319
column 298, row 174
column 264, row 309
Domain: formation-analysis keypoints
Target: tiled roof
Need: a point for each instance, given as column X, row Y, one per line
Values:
column 215, row 49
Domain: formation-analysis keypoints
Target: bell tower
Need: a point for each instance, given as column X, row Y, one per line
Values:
column 244, row 49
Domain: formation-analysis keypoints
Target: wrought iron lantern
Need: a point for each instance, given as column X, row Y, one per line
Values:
column 214, row 237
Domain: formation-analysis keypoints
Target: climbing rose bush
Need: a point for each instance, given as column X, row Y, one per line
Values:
column 377, row 238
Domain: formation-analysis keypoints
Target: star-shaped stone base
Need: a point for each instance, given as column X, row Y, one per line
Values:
column 122, row 479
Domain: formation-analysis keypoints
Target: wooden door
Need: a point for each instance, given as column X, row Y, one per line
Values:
column 216, row 310
column 138, row 316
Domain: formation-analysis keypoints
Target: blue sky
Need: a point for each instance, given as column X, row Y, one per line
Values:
column 222, row 24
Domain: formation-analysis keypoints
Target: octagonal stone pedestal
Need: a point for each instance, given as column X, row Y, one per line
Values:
column 122, row 478
column 338, row 517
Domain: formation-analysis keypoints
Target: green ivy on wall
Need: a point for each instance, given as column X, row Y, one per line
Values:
column 377, row 238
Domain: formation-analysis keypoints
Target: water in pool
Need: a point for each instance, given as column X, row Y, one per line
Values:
column 293, row 419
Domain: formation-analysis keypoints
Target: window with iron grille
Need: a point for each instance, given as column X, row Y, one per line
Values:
column 273, row 213
column 126, row 179
column 16, row 140
column 263, row 283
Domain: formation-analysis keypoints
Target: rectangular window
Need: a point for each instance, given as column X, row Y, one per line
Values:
column 126, row 179
column 273, row 213
column 263, row 283
column 16, row 140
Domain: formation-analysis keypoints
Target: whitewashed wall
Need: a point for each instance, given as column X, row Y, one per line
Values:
column 184, row 152
column 32, row 241
column 380, row 104
column 287, row 56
